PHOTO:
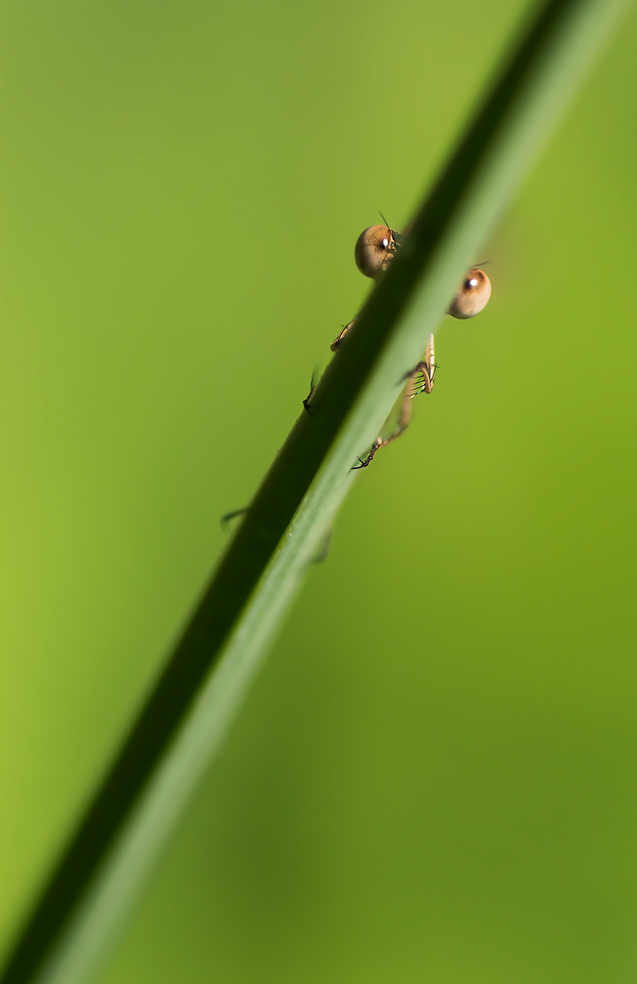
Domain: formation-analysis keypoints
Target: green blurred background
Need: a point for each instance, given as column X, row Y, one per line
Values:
column 434, row 777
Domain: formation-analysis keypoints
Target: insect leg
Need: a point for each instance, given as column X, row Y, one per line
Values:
column 402, row 422
column 227, row 517
column 339, row 338
column 306, row 401
column 419, row 380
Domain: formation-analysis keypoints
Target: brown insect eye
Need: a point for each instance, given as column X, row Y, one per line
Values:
column 374, row 249
column 473, row 295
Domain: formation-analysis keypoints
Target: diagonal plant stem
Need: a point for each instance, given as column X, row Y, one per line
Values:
column 180, row 727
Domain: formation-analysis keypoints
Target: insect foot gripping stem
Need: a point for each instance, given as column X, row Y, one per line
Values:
column 364, row 462
column 306, row 402
column 337, row 341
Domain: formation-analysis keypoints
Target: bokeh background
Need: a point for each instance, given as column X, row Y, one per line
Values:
column 434, row 777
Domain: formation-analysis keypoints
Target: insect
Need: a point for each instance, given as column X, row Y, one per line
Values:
column 375, row 249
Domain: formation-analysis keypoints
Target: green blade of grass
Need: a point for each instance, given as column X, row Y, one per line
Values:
column 118, row 841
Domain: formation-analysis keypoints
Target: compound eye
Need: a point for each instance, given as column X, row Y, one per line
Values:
column 374, row 250
column 472, row 296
